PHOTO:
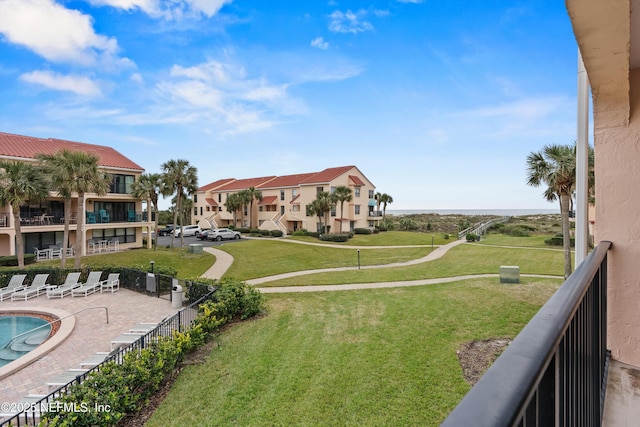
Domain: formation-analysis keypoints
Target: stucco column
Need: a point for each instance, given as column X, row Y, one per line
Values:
column 617, row 149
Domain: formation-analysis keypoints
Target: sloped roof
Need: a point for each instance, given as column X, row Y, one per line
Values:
column 287, row 180
column 268, row 200
column 356, row 180
column 28, row 147
column 211, row 201
column 267, row 182
column 241, row 184
column 327, row 175
column 216, row 184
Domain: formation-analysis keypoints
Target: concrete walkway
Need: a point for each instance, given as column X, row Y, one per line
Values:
column 224, row 261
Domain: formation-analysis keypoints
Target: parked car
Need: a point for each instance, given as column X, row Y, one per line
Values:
column 166, row 231
column 187, row 230
column 223, row 234
column 202, row 235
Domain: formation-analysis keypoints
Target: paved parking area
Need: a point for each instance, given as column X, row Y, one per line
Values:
column 90, row 335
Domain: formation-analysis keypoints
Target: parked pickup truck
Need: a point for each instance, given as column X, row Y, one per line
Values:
column 166, row 231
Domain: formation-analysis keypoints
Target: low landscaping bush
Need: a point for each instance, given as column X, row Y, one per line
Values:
column 472, row 237
column 277, row 233
column 334, row 237
column 12, row 261
column 108, row 395
column 558, row 240
column 362, row 231
column 299, row 233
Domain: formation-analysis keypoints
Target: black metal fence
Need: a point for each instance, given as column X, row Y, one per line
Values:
column 181, row 321
column 554, row 373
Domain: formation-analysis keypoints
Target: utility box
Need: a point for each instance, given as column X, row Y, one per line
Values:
column 509, row 274
column 195, row 248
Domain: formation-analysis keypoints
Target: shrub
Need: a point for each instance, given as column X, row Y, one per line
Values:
column 334, row 237
column 558, row 241
column 472, row 237
column 277, row 233
column 362, row 231
column 313, row 234
column 517, row 231
column 382, row 227
column 126, row 387
column 299, row 233
column 12, row 261
column 243, row 230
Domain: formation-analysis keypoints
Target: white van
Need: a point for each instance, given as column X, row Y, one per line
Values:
column 187, row 230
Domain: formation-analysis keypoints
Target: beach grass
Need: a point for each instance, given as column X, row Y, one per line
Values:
column 368, row 357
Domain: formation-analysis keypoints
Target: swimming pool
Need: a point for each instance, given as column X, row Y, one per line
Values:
column 15, row 325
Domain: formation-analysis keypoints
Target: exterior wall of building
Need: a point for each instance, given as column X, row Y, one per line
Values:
column 618, row 220
column 288, row 209
column 42, row 224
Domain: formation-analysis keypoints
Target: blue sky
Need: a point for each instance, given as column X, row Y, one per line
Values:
column 437, row 102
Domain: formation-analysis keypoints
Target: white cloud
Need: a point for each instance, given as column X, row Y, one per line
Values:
column 137, row 77
column 320, row 43
column 349, row 22
column 169, row 10
column 77, row 84
column 223, row 94
column 409, row 1
column 56, row 33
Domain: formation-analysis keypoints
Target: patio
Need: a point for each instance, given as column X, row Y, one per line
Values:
column 91, row 334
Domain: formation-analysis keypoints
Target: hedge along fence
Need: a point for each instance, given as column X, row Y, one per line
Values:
column 123, row 388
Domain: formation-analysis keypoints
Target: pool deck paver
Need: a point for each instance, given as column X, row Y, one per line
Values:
column 91, row 334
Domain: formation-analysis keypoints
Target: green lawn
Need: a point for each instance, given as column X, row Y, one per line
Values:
column 387, row 238
column 367, row 358
column 260, row 258
column 461, row 260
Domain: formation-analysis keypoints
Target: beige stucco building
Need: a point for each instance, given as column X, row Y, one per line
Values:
column 608, row 35
column 114, row 217
column 285, row 201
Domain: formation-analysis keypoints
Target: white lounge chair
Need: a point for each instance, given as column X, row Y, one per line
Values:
column 37, row 287
column 92, row 285
column 111, row 284
column 15, row 284
column 65, row 289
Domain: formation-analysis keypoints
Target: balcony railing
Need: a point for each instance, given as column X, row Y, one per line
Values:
column 555, row 371
column 57, row 218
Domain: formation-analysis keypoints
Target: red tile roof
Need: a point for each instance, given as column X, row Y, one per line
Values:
column 211, row 201
column 216, row 184
column 356, row 180
column 327, row 175
column 241, row 184
column 287, row 180
column 27, row 147
column 268, row 200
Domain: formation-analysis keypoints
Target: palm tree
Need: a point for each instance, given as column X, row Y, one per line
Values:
column 555, row 166
column 342, row 194
column 85, row 177
column 232, row 204
column 179, row 177
column 253, row 194
column 58, row 172
column 243, row 200
column 378, row 198
column 148, row 186
column 321, row 206
column 316, row 208
column 386, row 199
column 20, row 182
